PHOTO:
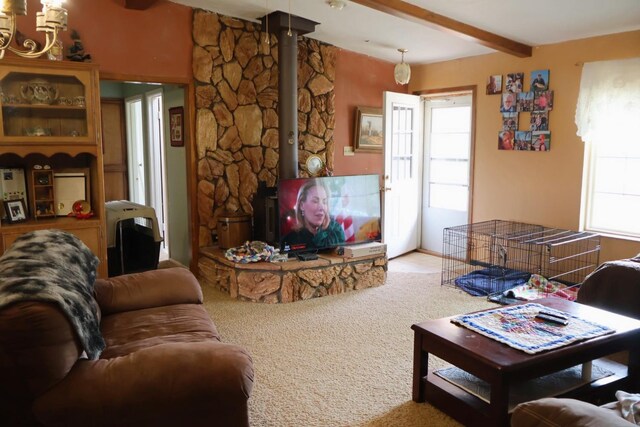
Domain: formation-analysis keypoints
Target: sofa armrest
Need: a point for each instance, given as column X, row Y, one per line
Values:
column 149, row 289
column 566, row 413
column 197, row 384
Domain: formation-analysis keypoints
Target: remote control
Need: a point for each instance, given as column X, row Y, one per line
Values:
column 554, row 314
column 552, row 319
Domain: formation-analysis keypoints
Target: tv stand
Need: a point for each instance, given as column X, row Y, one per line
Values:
column 294, row 280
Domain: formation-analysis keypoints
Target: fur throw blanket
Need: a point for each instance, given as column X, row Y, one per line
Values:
column 55, row 266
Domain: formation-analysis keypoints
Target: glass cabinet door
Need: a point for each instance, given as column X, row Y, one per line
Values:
column 45, row 107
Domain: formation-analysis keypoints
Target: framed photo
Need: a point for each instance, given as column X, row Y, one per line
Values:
column 514, row 82
column 176, row 126
column 543, row 101
column 509, row 103
column 506, row 140
column 494, row 84
column 523, row 141
column 368, row 130
column 15, row 210
column 539, row 121
column 539, row 80
column 510, row 121
column 541, row 141
column 525, row 101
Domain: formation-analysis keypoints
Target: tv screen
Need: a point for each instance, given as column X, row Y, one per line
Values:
column 326, row 212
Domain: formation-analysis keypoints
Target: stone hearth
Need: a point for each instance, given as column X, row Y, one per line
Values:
column 290, row 281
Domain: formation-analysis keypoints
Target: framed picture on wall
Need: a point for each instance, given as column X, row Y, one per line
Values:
column 176, row 126
column 368, row 130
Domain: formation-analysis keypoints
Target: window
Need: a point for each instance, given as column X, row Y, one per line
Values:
column 606, row 116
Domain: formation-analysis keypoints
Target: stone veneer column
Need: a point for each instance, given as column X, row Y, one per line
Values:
column 237, row 129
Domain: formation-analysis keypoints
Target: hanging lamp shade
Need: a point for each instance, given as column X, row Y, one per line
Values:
column 402, row 71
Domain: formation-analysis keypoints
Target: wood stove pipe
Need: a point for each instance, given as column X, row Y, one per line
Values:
column 287, row 29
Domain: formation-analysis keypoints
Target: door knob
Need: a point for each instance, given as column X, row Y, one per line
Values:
column 385, row 188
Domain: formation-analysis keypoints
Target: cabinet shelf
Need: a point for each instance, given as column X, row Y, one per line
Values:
column 44, row 107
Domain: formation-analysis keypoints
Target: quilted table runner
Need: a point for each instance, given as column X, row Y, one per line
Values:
column 518, row 327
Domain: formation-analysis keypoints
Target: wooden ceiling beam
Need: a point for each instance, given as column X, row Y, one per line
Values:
column 431, row 19
column 139, row 4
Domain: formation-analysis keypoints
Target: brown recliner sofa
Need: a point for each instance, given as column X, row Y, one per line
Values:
column 163, row 364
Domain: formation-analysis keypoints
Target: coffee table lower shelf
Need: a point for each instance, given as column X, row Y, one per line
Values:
column 471, row 410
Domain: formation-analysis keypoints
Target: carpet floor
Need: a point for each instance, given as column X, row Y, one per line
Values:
column 343, row 360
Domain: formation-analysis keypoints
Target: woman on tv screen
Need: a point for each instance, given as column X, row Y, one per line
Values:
column 314, row 228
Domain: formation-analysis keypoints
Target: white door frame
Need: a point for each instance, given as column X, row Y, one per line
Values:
column 436, row 218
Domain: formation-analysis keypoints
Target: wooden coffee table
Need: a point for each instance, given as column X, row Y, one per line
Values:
column 502, row 366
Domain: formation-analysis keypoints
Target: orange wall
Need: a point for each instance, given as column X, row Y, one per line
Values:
column 360, row 81
column 155, row 42
column 536, row 187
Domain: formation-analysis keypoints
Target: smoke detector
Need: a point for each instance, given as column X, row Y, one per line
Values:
column 337, row 4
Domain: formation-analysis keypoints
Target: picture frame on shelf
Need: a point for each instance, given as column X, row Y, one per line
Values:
column 368, row 136
column 176, row 126
column 16, row 210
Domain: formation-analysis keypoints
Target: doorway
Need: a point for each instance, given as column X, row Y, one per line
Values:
column 155, row 171
column 427, row 169
column 447, row 167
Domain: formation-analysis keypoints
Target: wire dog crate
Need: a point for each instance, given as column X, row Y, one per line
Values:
column 497, row 255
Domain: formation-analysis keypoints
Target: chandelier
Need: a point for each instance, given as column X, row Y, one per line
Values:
column 402, row 71
column 52, row 19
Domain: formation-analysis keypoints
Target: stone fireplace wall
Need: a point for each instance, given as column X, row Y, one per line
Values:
column 236, row 88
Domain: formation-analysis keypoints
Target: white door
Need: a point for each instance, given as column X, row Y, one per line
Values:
column 157, row 175
column 402, row 116
column 447, row 162
column 135, row 150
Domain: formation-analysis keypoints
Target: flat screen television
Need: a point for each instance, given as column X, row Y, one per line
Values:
column 327, row 212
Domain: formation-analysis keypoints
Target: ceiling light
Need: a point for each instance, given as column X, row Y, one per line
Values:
column 402, row 71
column 337, row 4
column 52, row 19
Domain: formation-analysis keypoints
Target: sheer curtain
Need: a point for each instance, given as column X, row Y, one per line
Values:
column 609, row 99
column 607, row 116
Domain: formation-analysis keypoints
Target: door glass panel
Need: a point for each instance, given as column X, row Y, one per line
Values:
column 449, row 172
column 450, row 146
column 451, row 119
column 401, row 159
column 454, row 197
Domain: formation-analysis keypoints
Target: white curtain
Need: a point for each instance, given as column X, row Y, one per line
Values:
column 609, row 100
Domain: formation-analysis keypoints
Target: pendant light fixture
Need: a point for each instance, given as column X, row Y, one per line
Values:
column 402, row 71
column 337, row 4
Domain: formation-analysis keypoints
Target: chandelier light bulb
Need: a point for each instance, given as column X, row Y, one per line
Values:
column 50, row 21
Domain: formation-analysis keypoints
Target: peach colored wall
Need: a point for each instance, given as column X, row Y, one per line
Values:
column 360, row 81
column 155, row 42
column 535, row 187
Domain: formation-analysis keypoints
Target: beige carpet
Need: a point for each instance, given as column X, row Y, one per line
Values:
column 342, row 360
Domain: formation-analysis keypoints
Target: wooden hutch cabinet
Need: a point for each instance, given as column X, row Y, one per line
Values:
column 50, row 121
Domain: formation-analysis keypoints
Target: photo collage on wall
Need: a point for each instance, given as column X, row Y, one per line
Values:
column 537, row 102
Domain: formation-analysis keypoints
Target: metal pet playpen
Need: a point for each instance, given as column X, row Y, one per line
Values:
column 489, row 257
